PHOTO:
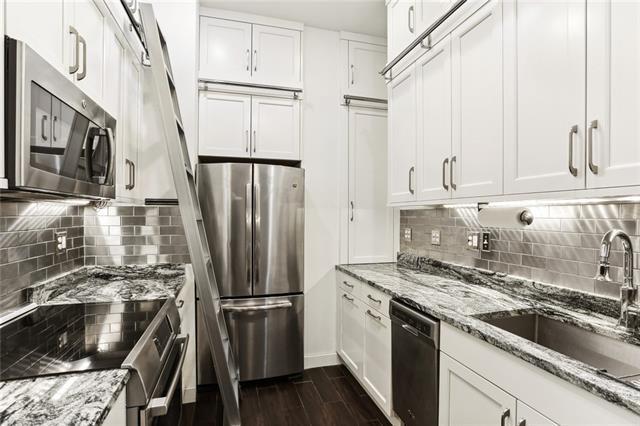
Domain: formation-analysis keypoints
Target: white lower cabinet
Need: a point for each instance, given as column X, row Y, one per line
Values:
column 364, row 339
column 468, row 399
column 376, row 364
column 527, row 416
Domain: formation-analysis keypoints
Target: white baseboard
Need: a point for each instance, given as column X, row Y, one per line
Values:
column 321, row 360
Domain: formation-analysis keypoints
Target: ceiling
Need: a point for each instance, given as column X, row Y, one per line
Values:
column 358, row 16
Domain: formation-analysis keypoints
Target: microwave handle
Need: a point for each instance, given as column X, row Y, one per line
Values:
column 112, row 153
column 160, row 406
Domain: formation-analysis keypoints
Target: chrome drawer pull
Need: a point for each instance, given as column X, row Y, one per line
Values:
column 347, row 284
column 376, row 317
column 373, row 299
column 350, row 299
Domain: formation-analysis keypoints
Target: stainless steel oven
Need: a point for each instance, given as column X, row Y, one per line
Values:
column 58, row 140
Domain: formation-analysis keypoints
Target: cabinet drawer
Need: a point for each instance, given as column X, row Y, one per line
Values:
column 376, row 299
column 349, row 284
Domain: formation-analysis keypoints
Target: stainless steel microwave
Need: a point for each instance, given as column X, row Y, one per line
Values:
column 57, row 139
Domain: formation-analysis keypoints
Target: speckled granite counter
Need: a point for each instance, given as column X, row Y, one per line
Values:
column 85, row 399
column 82, row 399
column 112, row 284
column 462, row 296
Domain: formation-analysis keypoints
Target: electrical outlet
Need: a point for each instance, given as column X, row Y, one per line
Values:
column 61, row 239
column 407, row 234
column 435, row 237
column 473, row 239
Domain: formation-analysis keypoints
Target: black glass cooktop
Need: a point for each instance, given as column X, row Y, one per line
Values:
column 54, row 339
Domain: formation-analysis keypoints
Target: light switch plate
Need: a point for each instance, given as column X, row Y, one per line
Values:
column 435, row 237
column 407, row 234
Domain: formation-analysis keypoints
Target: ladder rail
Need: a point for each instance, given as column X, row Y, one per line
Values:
column 215, row 325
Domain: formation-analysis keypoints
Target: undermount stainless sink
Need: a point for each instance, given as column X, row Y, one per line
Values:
column 612, row 357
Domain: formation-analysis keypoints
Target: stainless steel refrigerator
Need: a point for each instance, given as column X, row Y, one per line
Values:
column 254, row 220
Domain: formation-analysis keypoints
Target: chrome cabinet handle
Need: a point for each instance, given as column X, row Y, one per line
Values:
column 444, row 174
column 83, row 74
column 572, row 169
column 180, row 303
column 160, row 406
column 351, row 219
column 350, row 299
column 453, row 185
column 522, row 422
column 246, row 142
column 255, row 140
column 373, row 299
column 43, row 122
column 593, row 125
column 133, row 174
column 505, row 415
column 411, row 17
column 411, row 170
column 76, row 64
column 347, row 284
column 126, row 163
column 376, row 317
column 352, row 75
column 248, row 59
column 255, row 60
column 53, row 127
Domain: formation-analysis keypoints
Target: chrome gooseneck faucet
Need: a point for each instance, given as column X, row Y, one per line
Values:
column 629, row 308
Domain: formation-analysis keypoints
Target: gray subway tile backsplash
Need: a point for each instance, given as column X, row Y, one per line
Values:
column 561, row 247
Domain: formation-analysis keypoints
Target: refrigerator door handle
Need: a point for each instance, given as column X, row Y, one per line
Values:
column 267, row 307
column 256, row 235
column 248, row 240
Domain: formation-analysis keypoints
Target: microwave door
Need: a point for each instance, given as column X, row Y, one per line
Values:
column 98, row 155
column 72, row 166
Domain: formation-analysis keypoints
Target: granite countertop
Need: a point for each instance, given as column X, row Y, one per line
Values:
column 85, row 399
column 462, row 297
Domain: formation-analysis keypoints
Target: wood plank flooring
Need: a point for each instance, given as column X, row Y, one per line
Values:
column 326, row 396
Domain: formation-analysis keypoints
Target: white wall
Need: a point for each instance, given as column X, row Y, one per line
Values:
column 320, row 140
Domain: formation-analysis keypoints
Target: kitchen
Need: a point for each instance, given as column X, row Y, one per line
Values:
column 411, row 212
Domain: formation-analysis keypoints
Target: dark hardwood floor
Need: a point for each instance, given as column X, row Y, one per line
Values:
column 326, row 396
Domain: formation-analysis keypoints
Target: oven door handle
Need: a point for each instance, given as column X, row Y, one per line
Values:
column 160, row 406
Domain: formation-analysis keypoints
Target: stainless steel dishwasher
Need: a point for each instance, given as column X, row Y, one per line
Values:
column 415, row 356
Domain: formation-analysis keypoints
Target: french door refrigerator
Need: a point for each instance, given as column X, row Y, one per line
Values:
column 254, row 220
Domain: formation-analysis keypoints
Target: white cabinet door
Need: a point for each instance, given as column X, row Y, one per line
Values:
column 468, row 399
column 427, row 12
column 276, row 56
column 275, row 126
column 613, row 93
column 351, row 332
column 401, row 25
column 370, row 220
column 225, row 50
column 527, row 416
column 89, row 20
column 433, row 80
column 376, row 366
column 130, row 123
column 113, row 88
column 39, row 25
column 545, row 95
column 224, row 124
column 402, row 137
column 365, row 62
column 476, row 57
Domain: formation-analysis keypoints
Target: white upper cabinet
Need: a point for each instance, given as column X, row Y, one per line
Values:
column 427, row 12
column 402, row 137
column 225, row 49
column 225, row 124
column 275, row 126
column 613, row 93
column 545, row 95
column 113, row 50
column 401, row 25
column 477, row 103
column 87, row 46
column 433, row 79
column 276, row 56
column 41, row 27
column 243, row 52
column 130, row 124
column 365, row 62
column 468, row 399
column 370, row 220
